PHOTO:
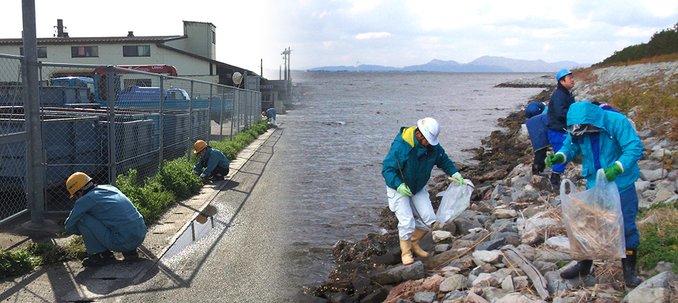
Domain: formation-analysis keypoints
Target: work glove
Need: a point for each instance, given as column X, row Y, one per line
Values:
column 556, row 158
column 195, row 172
column 404, row 190
column 457, row 178
column 614, row 170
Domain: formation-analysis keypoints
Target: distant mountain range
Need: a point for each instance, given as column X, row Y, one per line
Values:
column 485, row 64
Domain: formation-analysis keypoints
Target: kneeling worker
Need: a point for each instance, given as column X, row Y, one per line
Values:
column 213, row 161
column 106, row 219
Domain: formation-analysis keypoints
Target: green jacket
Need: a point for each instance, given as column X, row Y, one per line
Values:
column 410, row 162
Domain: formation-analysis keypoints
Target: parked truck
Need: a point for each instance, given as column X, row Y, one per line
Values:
column 140, row 97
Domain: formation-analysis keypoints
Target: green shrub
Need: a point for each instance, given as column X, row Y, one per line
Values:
column 17, row 262
column 176, row 176
column 658, row 235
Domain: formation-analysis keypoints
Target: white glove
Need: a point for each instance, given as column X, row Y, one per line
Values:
column 457, row 178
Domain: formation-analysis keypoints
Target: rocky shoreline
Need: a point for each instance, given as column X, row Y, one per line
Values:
column 510, row 245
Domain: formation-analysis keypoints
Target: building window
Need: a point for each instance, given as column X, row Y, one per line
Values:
column 84, row 51
column 42, row 51
column 136, row 50
column 214, row 38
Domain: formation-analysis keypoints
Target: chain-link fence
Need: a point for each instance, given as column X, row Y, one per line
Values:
column 105, row 121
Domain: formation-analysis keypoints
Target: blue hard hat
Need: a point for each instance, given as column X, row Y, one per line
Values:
column 562, row 73
column 533, row 109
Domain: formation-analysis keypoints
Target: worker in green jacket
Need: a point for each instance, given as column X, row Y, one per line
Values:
column 406, row 169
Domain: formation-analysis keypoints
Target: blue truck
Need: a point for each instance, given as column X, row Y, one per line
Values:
column 137, row 97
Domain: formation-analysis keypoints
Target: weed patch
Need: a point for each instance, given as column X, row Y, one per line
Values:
column 658, row 235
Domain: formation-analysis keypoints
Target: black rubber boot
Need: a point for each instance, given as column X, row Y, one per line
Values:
column 629, row 267
column 538, row 164
column 99, row 259
column 581, row 269
column 555, row 181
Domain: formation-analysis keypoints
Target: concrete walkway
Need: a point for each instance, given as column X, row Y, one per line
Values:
column 182, row 224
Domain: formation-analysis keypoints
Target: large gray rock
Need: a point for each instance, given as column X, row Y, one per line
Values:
column 400, row 273
column 424, row 297
column 655, row 289
column 649, row 164
column 502, row 225
column 454, row 282
column 653, row 174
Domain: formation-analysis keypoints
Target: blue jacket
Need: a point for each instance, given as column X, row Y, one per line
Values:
column 618, row 141
column 561, row 99
column 409, row 160
column 271, row 113
column 112, row 208
column 536, row 128
column 210, row 159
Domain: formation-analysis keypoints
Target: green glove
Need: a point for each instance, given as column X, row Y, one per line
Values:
column 404, row 190
column 556, row 158
column 612, row 171
column 457, row 178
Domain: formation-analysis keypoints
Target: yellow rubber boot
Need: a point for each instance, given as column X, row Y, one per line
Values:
column 417, row 235
column 406, row 252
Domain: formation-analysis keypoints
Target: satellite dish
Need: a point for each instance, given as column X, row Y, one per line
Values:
column 237, row 78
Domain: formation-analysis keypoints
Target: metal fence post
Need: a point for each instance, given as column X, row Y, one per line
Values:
column 190, row 119
column 161, row 120
column 35, row 171
column 112, row 147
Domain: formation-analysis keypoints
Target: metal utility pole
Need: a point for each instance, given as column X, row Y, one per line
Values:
column 35, row 171
column 288, row 75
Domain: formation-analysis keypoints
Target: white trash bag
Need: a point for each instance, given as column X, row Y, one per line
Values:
column 593, row 220
column 456, row 199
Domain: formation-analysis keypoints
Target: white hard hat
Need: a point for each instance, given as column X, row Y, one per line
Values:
column 430, row 129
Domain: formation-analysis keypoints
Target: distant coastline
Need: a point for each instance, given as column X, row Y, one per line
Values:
column 486, row 64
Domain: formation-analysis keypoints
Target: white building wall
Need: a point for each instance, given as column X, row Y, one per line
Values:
column 111, row 54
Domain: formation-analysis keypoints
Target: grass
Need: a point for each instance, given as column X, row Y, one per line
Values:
column 152, row 197
column 651, row 100
column 658, row 228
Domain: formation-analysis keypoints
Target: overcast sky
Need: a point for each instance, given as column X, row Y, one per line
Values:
column 387, row 32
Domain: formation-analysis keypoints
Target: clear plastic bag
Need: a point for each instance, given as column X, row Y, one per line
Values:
column 593, row 220
column 456, row 199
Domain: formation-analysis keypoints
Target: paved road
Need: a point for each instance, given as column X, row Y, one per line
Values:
column 243, row 258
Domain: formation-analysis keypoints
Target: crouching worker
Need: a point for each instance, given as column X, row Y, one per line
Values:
column 536, row 128
column 606, row 140
column 270, row 114
column 106, row 219
column 214, row 162
column 407, row 169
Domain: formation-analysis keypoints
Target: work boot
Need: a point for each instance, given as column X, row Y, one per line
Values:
column 629, row 267
column 555, row 181
column 406, row 252
column 581, row 269
column 131, row 255
column 417, row 235
column 99, row 259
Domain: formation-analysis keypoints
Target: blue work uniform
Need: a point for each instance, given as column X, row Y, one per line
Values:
column 214, row 162
column 617, row 142
column 107, row 221
column 560, row 102
column 410, row 162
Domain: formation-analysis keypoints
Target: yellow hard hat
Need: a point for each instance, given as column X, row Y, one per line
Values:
column 76, row 182
column 199, row 146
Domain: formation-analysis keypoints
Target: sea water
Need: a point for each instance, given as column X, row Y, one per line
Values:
column 340, row 126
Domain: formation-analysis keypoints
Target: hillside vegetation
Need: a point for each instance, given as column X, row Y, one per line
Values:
column 662, row 46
